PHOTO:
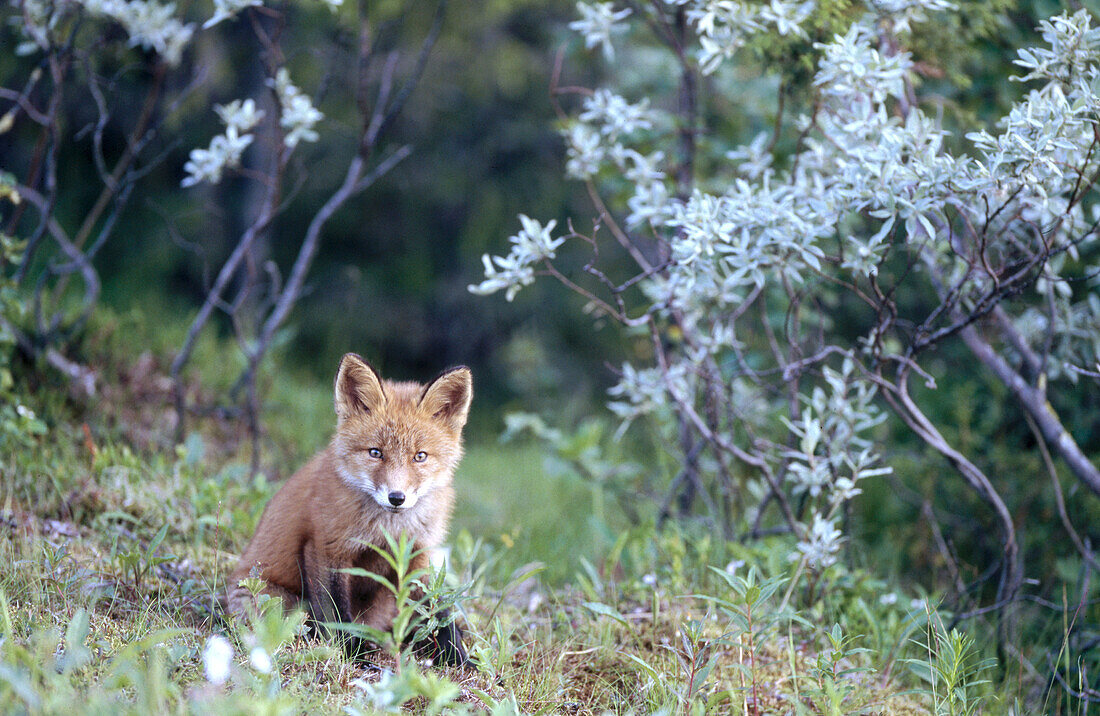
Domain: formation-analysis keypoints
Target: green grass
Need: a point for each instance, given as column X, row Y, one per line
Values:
column 507, row 495
column 121, row 546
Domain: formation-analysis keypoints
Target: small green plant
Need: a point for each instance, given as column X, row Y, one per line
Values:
column 135, row 562
column 832, row 689
column 421, row 597
column 696, row 656
column 751, row 623
column 952, row 669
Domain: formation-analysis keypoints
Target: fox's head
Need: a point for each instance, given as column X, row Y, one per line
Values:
column 399, row 442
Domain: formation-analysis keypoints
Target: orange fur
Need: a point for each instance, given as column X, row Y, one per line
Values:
column 390, row 438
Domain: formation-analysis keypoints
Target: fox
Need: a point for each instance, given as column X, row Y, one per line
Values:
column 389, row 468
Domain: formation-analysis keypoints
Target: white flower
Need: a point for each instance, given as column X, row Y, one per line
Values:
column 851, row 65
column 845, row 489
column 225, row 9
column 649, row 203
column 217, row 659
column 530, row 246
column 598, row 22
column 242, row 116
column 260, row 660
column 788, row 16
column 149, row 24
column 888, row 599
column 299, row 115
column 584, row 152
column 24, row 412
column 821, row 544
column 207, row 164
column 753, row 159
column 535, row 239
column 615, row 114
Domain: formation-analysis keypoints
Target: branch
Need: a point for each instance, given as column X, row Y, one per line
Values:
column 1059, row 498
column 354, row 183
column 902, row 403
column 244, row 245
column 1035, row 403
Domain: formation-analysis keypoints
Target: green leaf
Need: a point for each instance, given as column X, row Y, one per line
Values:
column 606, row 611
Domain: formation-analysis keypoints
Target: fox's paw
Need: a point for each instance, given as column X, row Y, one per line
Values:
column 444, row 646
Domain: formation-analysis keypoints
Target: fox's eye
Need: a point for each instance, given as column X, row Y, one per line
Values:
column 420, row 456
column 374, row 452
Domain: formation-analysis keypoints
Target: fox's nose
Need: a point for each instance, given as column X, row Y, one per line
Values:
column 397, row 498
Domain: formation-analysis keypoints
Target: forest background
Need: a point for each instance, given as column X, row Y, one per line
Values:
column 479, row 138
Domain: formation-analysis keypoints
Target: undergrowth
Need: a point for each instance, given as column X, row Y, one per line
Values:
column 120, row 548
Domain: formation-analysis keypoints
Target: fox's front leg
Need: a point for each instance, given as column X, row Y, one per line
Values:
column 240, row 600
column 444, row 645
column 327, row 593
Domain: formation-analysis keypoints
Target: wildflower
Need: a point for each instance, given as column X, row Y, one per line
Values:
column 598, row 22
column 615, row 114
column 583, row 151
column 207, row 164
column 150, row 25
column 225, row 9
column 299, row 115
column 242, row 116
column 260, row 660
column 734, row 565
column 821, row 544
column 530, row 246
column 217, row 659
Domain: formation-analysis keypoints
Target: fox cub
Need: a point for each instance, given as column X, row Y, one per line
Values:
column 389, row 468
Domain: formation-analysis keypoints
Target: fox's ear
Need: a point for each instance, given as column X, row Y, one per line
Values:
column 358, row 388
column 447, row 398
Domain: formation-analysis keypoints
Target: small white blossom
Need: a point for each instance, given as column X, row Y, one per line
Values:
column 217, row 659
column 226, row 9
column 242, row 116
column 845, row 489
column 530, row 246
column 821, row 544
column 584, row 152
column 852, row 66
column 787, row 17
column 752, row 159
column 299, row 115
column 39, row 17
column 260, row 660
column 599, row 21
column 650, row 202
column 615, row 115
column 888, row 599
column 904, row 13
column 24, row 412
column 224, row 152
column 149, row 24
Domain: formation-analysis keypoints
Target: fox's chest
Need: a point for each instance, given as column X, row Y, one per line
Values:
column 423, row 525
